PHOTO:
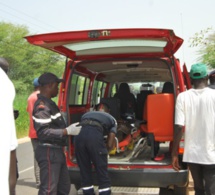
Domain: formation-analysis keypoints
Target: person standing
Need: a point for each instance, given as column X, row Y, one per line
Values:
column 90, row 147
column 212, row 79
column 8, row 140
column 32, row 132
column 52, row 135
column 195, row 110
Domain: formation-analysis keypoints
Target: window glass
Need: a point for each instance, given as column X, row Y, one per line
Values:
column 78, row 90
column 98, row 91
column 113, row 90
column 155, row 87
column 87, row 84
column 103, row 88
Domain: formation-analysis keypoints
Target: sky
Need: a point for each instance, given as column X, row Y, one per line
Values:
column 185, row 17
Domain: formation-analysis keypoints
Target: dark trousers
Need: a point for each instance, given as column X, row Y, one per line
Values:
column 54, row 175
column 90, row 148
column 203, row 178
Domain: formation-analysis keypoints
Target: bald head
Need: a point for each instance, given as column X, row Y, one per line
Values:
column 4, row 64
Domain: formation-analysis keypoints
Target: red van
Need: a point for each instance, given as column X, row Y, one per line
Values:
column 97, row 62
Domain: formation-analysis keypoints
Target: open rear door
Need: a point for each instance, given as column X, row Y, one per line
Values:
column 97, row 44
column 186, row 75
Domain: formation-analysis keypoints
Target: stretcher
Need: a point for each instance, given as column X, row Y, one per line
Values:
column 132, row 134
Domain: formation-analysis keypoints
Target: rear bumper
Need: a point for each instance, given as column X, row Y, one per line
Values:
column 140, row 177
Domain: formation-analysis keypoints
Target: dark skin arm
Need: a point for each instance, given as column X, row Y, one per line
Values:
column 12, row 173
column 65, row 132
column 178, row 132
column 110, row 141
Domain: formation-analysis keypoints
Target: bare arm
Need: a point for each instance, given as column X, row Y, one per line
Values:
column 110, row 141
column 12, row 173
column 178, row 131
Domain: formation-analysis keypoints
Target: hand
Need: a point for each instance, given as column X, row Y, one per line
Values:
column 73, row 129
column 175, row 163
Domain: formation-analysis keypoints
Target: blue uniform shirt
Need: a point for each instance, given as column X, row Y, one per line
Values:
column 107, row 121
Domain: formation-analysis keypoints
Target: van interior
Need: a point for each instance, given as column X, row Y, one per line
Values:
column 145, row 133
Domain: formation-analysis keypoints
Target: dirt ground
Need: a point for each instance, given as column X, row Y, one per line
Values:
column 190, row 187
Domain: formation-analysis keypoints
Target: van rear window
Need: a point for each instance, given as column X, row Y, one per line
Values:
column 99, row 88
column 78, row 90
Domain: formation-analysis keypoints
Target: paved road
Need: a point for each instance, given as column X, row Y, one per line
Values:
column 26, row 182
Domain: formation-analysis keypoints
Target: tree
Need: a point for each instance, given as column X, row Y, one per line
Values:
column 205, row 40
column 26, row 61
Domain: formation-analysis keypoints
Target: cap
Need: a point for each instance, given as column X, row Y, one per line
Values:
column 47, row 78
column 198, row 71
column 36, row 83
column 212, row 73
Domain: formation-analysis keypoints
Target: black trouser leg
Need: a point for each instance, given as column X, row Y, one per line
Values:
column 88, row 191
column 98, row 154
column 84, row 163
column 54, row 175
column 101, row 170
column 209, row 176
column 197, row 175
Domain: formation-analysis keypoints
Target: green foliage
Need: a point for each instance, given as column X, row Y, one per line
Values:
column 205, row 40
column 200, row 38
column 22, row 122
column 26, row 61
column 209, row 51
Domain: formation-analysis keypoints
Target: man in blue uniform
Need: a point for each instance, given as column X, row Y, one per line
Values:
column 52, row 135
column 90, row 148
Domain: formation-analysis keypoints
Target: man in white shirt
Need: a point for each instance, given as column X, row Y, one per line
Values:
column 195, row 109
column 8, row 140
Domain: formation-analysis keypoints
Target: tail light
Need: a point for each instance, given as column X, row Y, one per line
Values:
column 181, row 145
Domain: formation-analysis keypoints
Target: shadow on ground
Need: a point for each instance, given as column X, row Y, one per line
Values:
column 26, row 182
